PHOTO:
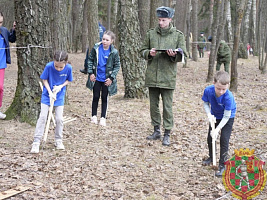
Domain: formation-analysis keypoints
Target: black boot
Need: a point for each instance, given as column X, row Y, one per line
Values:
column 84, row 71
column 207, row 161
column 220, row 171
column 166, row 139
column 156, row 135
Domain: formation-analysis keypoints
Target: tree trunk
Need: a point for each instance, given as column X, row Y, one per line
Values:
column 58, row 23
column 240, row 11
column 109, row 14
column 143, row 15
column 33, row 25
column 221, row 26
column 85, row 27
column 253, row 28
column 210, row 21
column 213, row 55
column 154, row 4
column 93, row 23
column 115, row 19
column 246, row 23
column 194, row 29
column 188, row 29
column 133, row 67
column 75, row 24
column 229, row 22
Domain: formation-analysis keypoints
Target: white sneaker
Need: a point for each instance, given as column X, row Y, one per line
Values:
column 35, row 147
column 59, row 145
column 102, row 121
column 2, row 116
column 94, row 120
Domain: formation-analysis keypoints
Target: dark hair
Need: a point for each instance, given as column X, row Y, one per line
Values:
column 1, row 14
column 222, row 77
column 61, row 56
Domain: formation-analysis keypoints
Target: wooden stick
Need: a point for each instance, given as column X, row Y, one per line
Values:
column 53, row 119
column 48, row 119
column 12, row 192
column 213, row 121
column 70, row 120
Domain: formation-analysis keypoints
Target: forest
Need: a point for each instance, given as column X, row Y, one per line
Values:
column 117, row 162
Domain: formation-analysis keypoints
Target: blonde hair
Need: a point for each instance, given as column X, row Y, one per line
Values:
column 222, row 77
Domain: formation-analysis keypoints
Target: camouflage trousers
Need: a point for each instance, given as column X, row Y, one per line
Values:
column 226, row 66
column 167, row 97
column 201, row 52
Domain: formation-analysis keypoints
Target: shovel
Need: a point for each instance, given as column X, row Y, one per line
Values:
column 50, row 114
column 212, row 124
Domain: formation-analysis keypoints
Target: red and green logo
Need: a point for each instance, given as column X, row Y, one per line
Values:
column 244, row 175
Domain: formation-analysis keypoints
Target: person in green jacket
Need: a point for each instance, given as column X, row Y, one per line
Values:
column 163, row 47
column 223, row 56
column 201, row 45
column 103, row 66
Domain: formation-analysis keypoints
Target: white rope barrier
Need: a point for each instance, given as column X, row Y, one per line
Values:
column 28, row 47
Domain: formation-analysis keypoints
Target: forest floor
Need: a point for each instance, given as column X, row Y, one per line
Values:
column 117, row 162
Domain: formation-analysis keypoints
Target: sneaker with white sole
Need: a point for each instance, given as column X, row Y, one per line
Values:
column 35, row 147
column 2, row 116
column 59, row 145
column 102, row 121
column 94, row 120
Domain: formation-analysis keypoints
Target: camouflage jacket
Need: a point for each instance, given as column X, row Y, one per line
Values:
column 202, row 39
column 162, row 69
column 224, row 53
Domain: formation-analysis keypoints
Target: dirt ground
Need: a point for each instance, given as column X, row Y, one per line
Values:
column 117, row 162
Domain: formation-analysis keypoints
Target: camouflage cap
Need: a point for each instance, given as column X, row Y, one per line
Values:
column 165, row 12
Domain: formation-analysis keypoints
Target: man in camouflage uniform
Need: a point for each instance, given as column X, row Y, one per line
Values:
column 201, row 45
column 223, row 56
column 163, row 47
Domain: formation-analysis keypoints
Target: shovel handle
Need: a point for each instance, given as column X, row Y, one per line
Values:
column 48, row 120
column 213, row 121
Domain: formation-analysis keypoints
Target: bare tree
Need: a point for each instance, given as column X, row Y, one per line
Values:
column 194, row 29
column 133, row 67
column 93, row 23
column 58, row 24
column 246, row 23
column 109, row 13
column 240, row 6
column 144, row 16
column 154, row 4
column 210, row 20
column 215, row 24
column 262, row 35
column 188, row 28
column 75, row 25
column 34, row 30
column 253, row 27
column 229, row 22
column 85, row 27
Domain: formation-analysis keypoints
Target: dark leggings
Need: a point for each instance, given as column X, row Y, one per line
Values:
column 104, row 97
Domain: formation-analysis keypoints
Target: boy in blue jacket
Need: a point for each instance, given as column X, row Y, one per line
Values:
column 220, row 102
column 5, row 38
